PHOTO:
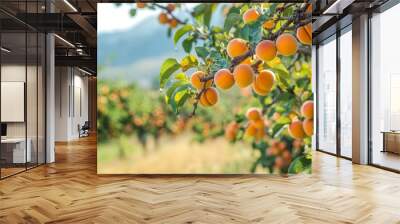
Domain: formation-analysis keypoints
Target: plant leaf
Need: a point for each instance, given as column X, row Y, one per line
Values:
column 169, row 66
column 182, row 31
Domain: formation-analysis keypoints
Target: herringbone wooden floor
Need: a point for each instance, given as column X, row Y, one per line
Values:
column 69, row 191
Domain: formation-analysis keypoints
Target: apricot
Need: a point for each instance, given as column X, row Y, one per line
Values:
column 246, row 61
column 308, row 126
column 251, row 131
column 209, row 97
column 163, row 18
column 260, row 133
column 309, row 8
column 250, row 16
column 243, row 75
column 286, row 44
column 287, row 157
column 236, row 47
column 263, row 82
column 259, row 124
column 231, row 131
column 266, row 50
column 195, row 79
column 173, row 23
column 171, row 7
column 272, row 151
column 269, row 24
column 140, row 5
column 304, row 34
column 296, row 130
column 279, row 162
column 253, row 114
column 224, row 79
column 307, row 109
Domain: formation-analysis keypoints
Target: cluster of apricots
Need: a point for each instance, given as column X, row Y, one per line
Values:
column 282, row 155
column 231, row 130
column 243, row 74
column 300, row 129
column 163, row 18
column 256, row 124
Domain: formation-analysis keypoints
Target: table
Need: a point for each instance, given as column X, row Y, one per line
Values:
column 15, row 148
column 391, row 141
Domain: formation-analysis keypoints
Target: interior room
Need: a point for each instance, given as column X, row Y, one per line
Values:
column 49, row 136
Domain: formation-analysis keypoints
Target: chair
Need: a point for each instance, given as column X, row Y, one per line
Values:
column 84, row 130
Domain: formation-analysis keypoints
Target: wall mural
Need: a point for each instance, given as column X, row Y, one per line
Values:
column 207, row 88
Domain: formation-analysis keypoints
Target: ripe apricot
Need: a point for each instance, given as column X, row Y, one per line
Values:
column 224, row 79
column 246, row 61
column 307, row 109
column 140, row 5
column 304, row 34
column 260, row 133
column 309, row 8
column 286, row 44
column 279, row 162
column 269, row 24
column 209, row 97
column 259, row 124
column 195, row 79
column 163, row 18
column 251, row 131
column 243, row 75
column 253, row 114
column 231, row 131
column 250, row 16
column 296, row 129
column 308, row 126
column 173, row 23
column 236, row 47
column 171, row 7
column 266, row 50
column 263, row 82
column 287, row 157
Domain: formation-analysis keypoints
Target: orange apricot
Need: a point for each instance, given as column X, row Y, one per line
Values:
column 286, row 44
column 304, row 34
column 307, row 109
column 266, row 50
column 231, row 131
column 259, row 124
column 269, row 24
column 195, row 79
column 163, row 18
column 296, row 129
column 140, row 5
column 260, row 133
column 308, row 126
column 209, row 97
column 309, row 8
column 173, row 23
column 224, row 79
column 246, row 61
column 263, row 82
column 236, row 47
column 287, row 157
column 253, row 114
column 250, row 16
column 171, row 7
column 251, row 131
column 243, row 75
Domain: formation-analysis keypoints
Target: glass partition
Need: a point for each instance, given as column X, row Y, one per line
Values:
column 385, row 89
column 327, row 96
column 346, row 93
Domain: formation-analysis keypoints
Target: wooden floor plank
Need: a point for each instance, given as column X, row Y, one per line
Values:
column 70, row 191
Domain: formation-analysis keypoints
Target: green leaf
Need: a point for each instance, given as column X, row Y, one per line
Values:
column 182, row 31
column 300, row 164
column 231, row 20
column 187, row 44
column 132, row 12
column 188, row 62
column 283, row 120
column 276, row 129
column 179, row 96
column 202, row 52
column 207, row 15
column 169, row 66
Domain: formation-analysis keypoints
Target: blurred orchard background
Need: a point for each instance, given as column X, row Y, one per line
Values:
column 139, row 131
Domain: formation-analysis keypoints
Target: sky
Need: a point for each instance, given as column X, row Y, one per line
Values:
column 112, row 18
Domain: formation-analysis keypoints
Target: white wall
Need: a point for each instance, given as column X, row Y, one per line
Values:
column 71, row 94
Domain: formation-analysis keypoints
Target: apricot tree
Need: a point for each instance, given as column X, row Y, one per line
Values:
column 262, row 46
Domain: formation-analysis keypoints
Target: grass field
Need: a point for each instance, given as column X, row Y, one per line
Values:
column 173, row 155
